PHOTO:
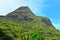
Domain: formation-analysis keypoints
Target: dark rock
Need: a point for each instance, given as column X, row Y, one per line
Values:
column 46, row 21
column 25, row 14
column 22, row 13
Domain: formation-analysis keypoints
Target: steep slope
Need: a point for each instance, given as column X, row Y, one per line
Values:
column 25, row 14
column 22, row 24
column 22, row 13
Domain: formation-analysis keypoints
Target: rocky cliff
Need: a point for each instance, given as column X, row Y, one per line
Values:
column 25, row 14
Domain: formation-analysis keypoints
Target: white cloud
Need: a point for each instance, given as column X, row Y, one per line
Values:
column 7, row 6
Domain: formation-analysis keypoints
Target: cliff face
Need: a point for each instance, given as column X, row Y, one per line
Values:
column 22, row 24
column 47, row 21
column 25, row 14
column 22, row 13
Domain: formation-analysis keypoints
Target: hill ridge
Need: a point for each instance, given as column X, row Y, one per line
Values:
column 22, row 24
column 24, row 13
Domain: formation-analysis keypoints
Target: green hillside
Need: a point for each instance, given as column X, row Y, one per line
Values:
column 22, row 24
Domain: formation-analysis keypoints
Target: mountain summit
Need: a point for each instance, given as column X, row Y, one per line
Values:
column 22, row 13
column 25, row 14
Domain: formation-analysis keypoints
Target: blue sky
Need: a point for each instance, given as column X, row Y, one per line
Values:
column 48, row 8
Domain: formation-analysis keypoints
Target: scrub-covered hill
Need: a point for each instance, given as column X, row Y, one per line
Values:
column 22, row 24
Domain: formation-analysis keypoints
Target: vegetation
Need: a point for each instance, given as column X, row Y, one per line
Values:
column 23, row 25
column 13, row 30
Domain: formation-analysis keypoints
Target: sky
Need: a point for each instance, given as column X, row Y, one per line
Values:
column 47, row 8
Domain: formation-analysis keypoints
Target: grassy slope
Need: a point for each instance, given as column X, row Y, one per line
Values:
column 16, row 30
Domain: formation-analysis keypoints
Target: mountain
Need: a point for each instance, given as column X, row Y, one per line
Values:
column 22, row 13
column 23, row 24
column 25, row 14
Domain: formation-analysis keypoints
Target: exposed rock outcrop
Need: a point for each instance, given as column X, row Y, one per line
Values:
column 22, row 13
column 46, row 21
column 25, row 14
